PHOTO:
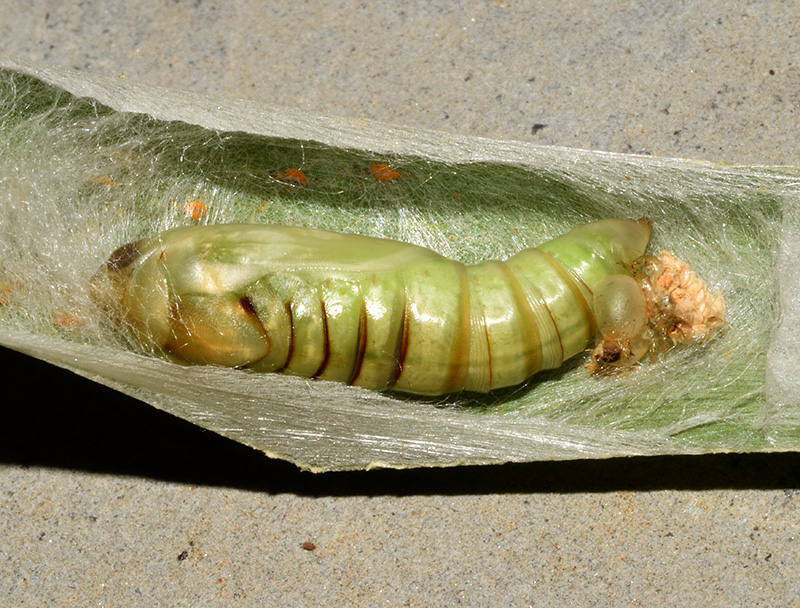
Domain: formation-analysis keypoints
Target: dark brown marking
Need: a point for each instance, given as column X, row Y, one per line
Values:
column 250, row 309
column 611, row 352
column 326, row 345
column 247, row 305
column 288, row 308
column 124, row 256
column 400, row 347
column 361, row 343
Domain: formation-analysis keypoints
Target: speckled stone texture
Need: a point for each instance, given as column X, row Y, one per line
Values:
column 107, row 502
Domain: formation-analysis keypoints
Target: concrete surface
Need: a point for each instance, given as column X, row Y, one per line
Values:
column 106, row 502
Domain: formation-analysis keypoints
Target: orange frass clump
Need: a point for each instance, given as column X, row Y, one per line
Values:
column 674, row 306
column 194, row 209
column 680, row 303
column 295, row 176
column 384, row 173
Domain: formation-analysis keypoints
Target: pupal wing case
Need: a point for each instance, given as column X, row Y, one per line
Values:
column 372, row 312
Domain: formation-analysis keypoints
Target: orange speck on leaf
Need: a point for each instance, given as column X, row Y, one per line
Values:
column 384, row 173
column 103, row 180
column 5, row 291
column 65, row 320
column 294, row 175
column 194, row 209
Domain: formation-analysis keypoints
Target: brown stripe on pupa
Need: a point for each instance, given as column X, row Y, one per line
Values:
column 247, row 305
column 400, row 347
column 326, row 345
column 124, row 256
column 361, row 343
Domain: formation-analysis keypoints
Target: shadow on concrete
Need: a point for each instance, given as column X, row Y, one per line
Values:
column 60, row 420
